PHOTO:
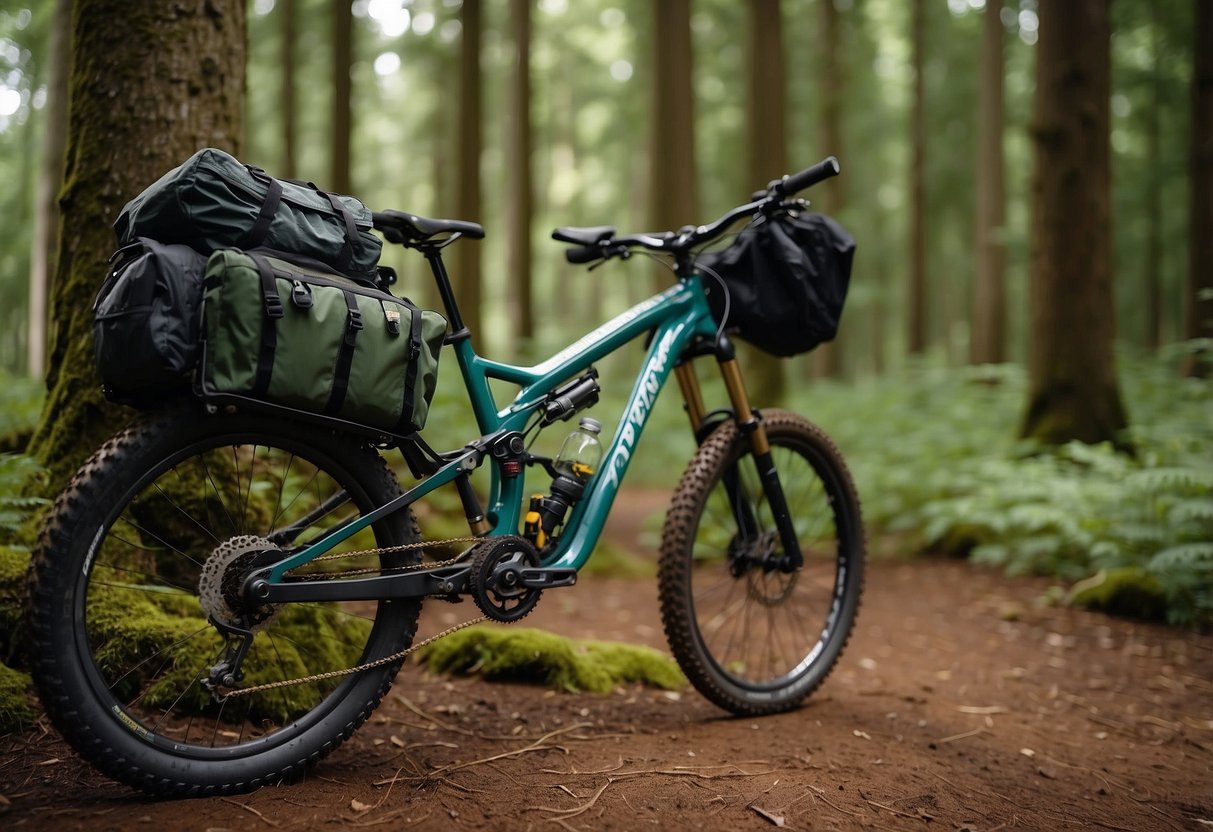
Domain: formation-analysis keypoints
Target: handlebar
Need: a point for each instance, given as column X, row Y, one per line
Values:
column 776, row 197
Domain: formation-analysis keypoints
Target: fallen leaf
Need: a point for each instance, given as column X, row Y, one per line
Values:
column 763, row 813
column 358, row 806
column 1027, row 752
column 396, row 741
column 863, row 734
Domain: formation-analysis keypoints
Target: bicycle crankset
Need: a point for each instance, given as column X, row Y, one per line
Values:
column 497, row 580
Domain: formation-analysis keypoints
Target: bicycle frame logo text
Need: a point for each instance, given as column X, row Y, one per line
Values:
column 642, row 406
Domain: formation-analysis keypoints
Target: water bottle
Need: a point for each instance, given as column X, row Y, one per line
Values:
column 581, row 452
column 575, row 465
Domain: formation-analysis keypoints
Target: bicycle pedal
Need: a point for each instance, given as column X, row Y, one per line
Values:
column 547, row 577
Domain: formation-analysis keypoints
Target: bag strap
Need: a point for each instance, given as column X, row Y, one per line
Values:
column 269, row 208
column 272, row 305
column 405, row 424
column 351, row 231
column 345, row 359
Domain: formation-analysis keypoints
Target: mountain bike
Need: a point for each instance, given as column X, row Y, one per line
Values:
column 225, row 592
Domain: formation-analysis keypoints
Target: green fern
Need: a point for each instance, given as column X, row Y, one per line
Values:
column 15, row 509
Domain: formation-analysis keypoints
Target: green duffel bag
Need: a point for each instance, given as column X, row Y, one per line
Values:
column 213, row 201
column 313, row 340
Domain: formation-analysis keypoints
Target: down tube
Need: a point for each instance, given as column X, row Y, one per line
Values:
column 590, row 514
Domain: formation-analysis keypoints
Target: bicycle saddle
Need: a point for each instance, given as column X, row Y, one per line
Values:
column 407, row 229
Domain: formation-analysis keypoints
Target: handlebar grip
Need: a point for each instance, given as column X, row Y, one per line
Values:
column 584, row 254
column 819, row 172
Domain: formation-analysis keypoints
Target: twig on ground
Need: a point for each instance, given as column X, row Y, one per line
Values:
column 965, row 735
column 248, row 808
column 821, row 793
column 537, row 745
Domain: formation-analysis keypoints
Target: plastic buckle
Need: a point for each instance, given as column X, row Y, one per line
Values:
column 393, row 320
column 301, row 295
column 273, row 306
column 354, row 326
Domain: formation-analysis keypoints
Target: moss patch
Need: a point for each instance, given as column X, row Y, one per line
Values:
column 1127, row 591
column 14, row 565
column 529, row 655
column 15, row 710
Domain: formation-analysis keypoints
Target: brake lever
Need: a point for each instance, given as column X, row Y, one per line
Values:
column 622, row 252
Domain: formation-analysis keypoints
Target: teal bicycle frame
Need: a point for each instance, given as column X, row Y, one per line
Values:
column 675, row 317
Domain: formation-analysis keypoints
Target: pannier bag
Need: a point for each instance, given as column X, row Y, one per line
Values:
column 145, row 320
column 213, row 201
column 316, row 341
column 786, row 282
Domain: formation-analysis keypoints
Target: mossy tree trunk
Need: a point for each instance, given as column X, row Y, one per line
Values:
column 1073, row 393
column 151, row 83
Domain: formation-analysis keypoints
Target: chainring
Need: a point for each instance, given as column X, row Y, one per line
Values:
column 494, row 578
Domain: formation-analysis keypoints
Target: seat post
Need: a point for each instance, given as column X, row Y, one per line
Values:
column 443, row 280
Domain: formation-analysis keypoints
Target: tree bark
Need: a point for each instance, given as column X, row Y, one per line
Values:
column 987, row 340
column 288, row 10
column 1198, row 311
column 50, row 178
column 766, row 154
column 1073, row 392
column 916, row 301
column 519, row 172
column 827, row 358
column 175, row 84
column 673, row 195
column 343, row 60
column 466, row 278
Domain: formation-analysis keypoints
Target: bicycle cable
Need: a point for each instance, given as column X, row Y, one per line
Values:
column 398, row 656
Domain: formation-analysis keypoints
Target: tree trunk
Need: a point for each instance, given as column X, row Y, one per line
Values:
column 987, row 340
column 673, row 196
column 290, row 35
column 521, row 186
column 50, row 178
column 343, row 60
column 1198, row 311
column 1073, row 393
column 175, row 85
column 766, row 155
column 916, row 300
column 827, row 359
column 1152, row 267
column 466, row 277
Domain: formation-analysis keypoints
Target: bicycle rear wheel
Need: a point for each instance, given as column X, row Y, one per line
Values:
column 148, row 547
column 757, row 640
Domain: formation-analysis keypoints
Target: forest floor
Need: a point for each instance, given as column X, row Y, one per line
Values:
column 962, row 704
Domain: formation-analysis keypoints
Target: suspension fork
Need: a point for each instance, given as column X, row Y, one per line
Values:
column 751, row 425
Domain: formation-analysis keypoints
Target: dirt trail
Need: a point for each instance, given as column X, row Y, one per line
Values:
column 961, row 704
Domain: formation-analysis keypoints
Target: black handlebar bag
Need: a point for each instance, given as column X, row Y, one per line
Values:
column 785, row 282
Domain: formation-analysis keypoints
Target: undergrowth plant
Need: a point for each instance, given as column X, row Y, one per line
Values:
column 934, row 454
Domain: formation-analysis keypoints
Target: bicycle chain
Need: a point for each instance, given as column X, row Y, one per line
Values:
column 401, row 655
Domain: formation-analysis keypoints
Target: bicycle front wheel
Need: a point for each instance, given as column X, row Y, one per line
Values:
column 141, row 563
column 750, row 637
